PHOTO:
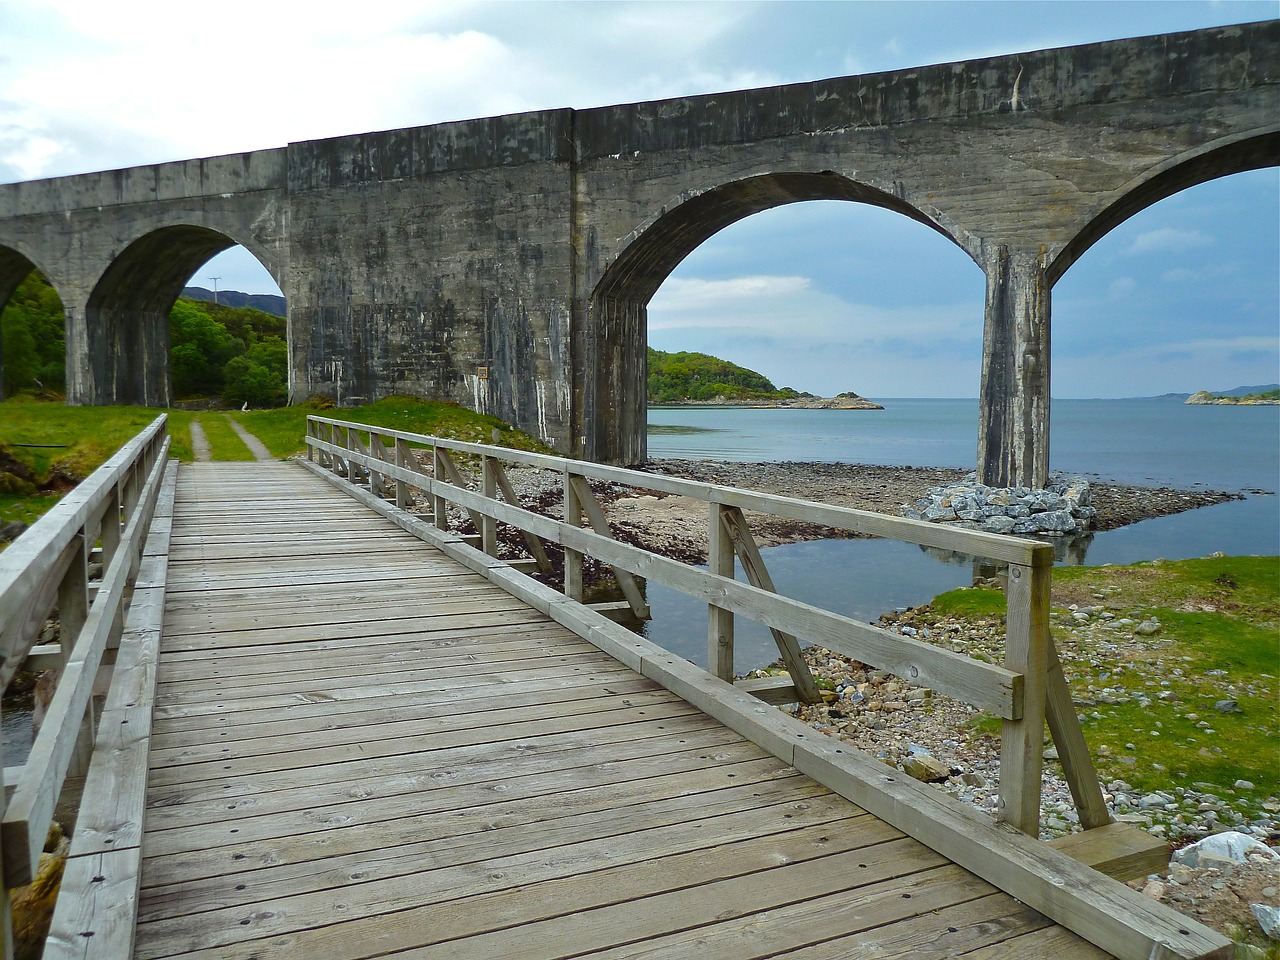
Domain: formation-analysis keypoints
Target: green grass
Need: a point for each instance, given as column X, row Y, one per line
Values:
column 971, row 602
column 282, row 430
column 87, row 436
column 224, row 442
column 1219, row 640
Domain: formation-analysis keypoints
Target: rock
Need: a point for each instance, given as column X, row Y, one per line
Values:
column 1227, row 706
column 1230, row 847
column 1147, row 628
column 1154, row 889
column 926, row 768
column 12, row 530
column 1268, row 918
column 1243, row 785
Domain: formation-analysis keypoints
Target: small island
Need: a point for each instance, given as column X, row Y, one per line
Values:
column 699, row 379
column 1265, row 398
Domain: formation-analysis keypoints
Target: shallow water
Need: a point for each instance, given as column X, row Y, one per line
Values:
column 1141, row 442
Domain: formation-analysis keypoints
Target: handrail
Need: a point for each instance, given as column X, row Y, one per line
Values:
column 46, row 570
column 1025, row 691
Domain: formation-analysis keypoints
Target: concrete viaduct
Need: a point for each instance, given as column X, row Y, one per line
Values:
column 507, row 263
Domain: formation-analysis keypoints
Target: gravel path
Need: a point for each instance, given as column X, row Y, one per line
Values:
column 200, row 448
column 256, row 446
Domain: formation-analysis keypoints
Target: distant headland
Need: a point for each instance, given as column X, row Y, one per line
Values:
column 1256, row 396
column 699, row 379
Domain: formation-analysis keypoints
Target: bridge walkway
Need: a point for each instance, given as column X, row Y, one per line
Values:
column 362, row 749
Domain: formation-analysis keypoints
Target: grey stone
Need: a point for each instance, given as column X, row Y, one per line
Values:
column 1229, row 847
column 1268, row 918
column 998, row 525
column 1227, row 706
column 923, row 767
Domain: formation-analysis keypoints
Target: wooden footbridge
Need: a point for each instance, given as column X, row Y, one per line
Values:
column 338, row 727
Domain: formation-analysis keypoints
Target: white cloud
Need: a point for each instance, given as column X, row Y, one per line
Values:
column 680, row 294
column 1219, row 347
column 1121, row 287
column 1169, row 240
column 773, row 304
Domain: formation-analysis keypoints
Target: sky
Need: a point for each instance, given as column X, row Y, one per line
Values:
column 821, row 296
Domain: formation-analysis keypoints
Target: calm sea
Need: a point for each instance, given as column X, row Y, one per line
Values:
column 1157, row 442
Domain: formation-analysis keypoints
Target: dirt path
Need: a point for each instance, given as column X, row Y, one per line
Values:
column 200, row 448
column 256, row 447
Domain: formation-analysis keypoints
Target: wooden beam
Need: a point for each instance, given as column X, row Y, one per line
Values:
column 758, row 576
column 1120, row 850
column 719, row 620
column 1022, row 738
column 973, row 542
column 534, row 545
column 600, row 523
column 1073, row 750
column 775, row 690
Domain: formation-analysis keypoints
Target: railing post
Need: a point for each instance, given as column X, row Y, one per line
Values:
column 378, row 450
column 404, row 458
column 439, row 505
column 73, row 611
column 110, row 528
column 573, row 586
column 719, row 620
column 488, row 525
column 1026, row 652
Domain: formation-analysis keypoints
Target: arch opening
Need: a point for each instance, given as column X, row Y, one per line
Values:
column 128, row 315
column 1182, row 296
column 32, row 330
column 228, row 335
column 614, row 349
column 1252, row 152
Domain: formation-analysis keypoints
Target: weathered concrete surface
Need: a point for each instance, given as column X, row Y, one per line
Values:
column 507, row 263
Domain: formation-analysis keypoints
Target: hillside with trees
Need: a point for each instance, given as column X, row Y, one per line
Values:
column 680, row 377
column 236, row 354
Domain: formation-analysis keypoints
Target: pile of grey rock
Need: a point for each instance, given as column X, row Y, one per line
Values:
column 1060, row 509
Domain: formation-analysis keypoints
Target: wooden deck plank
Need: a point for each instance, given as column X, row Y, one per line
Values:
column 468, row 857
column 463, row 764
column 344, row 717
column 307, row 756
column 386, row 724
column 467, row 785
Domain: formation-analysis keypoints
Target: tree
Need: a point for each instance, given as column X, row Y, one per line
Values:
column 34, row 314
column 18, row 347
column 199, row 348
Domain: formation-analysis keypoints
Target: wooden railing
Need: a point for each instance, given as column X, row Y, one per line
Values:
column 1024, row 691
column 113, row 617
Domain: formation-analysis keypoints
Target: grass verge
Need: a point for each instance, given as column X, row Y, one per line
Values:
column 64, row 444
column 1173, row 667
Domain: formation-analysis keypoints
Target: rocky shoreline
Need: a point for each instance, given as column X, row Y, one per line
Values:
column 676, row 526
column 803, row 401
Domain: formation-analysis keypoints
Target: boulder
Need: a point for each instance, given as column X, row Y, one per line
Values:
column 1223, row 849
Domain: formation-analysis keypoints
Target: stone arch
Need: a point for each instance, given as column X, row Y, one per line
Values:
column 611, row 357
column 127, row 313
column 1253, row 150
